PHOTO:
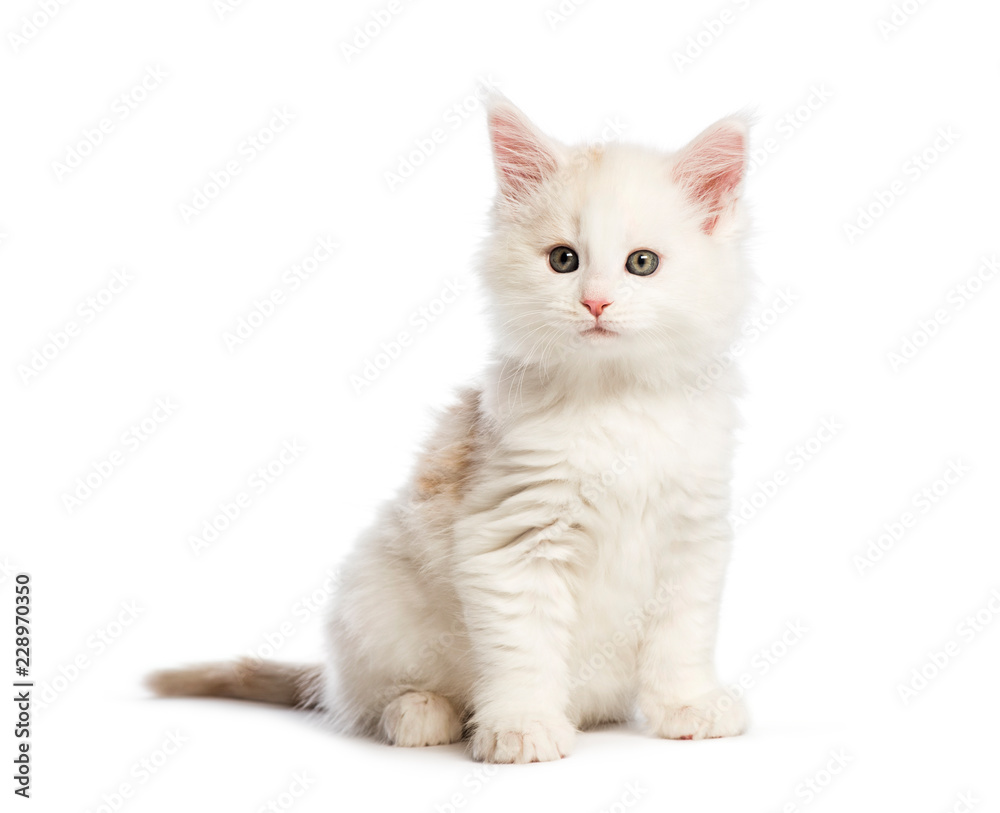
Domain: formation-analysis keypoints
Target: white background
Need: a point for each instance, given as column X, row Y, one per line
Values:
column 880, row 97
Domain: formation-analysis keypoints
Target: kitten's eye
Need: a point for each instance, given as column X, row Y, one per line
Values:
column 563, row 260
column 642, row 263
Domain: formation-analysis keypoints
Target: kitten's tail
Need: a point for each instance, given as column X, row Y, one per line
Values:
column 264, row 681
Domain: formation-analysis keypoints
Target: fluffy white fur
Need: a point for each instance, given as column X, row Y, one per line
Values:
column 559, row 555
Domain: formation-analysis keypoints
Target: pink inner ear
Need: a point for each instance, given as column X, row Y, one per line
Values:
column 522, row 161
column 711, row 168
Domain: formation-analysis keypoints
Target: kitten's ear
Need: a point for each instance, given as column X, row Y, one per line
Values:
column 523, row 155
column 711, row 168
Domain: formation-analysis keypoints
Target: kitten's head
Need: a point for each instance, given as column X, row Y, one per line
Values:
column 615, row 255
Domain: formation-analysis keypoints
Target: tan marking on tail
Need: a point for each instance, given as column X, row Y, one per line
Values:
column 285, row 684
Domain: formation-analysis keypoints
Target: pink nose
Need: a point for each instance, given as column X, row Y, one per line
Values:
column 595, row 306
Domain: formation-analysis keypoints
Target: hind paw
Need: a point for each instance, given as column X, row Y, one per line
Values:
column 416, row 719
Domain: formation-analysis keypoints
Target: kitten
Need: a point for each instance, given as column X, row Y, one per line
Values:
column 558, row 555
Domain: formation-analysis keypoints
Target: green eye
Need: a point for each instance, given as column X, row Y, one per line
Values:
column 563, row 260
column 642, row 263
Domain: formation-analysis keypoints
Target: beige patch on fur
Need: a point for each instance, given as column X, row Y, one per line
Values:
column 448, row 459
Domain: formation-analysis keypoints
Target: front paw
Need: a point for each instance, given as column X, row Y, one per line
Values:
column 714, row 714
column 521, row 739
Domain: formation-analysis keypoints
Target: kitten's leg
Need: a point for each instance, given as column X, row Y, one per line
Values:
column 519, row 609
column 679, row 692
column 398, row 662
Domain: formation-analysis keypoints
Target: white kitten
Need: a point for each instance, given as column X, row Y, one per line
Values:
column 558, row 555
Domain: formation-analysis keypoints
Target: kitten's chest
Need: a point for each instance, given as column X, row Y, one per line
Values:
column 623, row 465
column 634, row 451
